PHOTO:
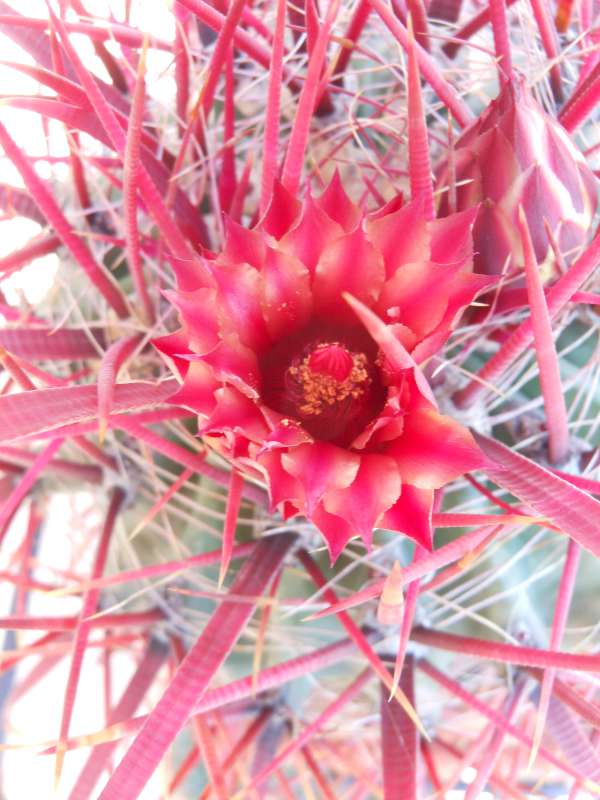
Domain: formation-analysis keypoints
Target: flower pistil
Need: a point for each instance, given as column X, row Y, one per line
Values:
column 329, row 375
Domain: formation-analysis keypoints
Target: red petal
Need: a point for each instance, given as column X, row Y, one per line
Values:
column 282, row 213
column 401, row 237
column 190, row 275
column 198, row 313
column 498, row 163
column 542, row 198
column 412, row 515
column 433, row 449
column 398, row 360
column 452, row 238
column 198, row 390
column 570, row 167
column 320, row 467
column 289, row 510
column 284, row 432
column 336, row 531
column 235, row 413
column 284, row 436
column 350, row 264
column 282, row 486
column 337, row 205
column 420, row 292
column 470, row 192
column 314, row 231
column 389, row 425
column 404, row 335
column 393, row 205
column 461, row 293
column 286, row 297
column 374, row 490
column 233, row 363
column 495, row 238
column 243, row 246
column 525, row 123
column 239, row 303
column 172, row 346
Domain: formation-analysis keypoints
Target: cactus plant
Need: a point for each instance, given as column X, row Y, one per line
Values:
column 299, row 399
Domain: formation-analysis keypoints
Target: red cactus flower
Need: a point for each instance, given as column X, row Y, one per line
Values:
column 517, row 154
column 300, row 348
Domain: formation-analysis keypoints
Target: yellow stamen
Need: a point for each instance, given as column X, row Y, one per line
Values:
column 320, row 390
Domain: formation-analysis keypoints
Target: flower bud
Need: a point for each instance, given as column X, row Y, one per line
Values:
column 515, row 155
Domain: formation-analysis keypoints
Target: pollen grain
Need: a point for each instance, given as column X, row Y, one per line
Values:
column 321, row 389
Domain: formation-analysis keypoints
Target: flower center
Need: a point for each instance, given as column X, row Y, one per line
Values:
column 326, row 377
column 329, row 375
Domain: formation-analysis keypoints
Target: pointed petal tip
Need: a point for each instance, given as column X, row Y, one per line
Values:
column 394, row 351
